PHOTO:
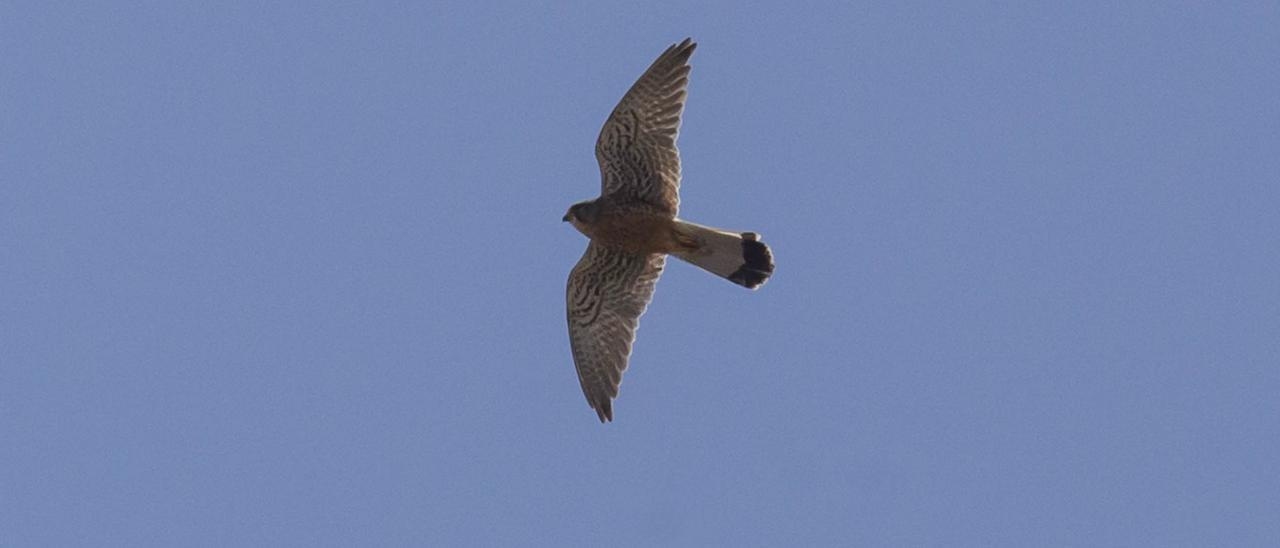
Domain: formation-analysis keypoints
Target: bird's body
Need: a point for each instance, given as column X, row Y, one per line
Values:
column 633, row 227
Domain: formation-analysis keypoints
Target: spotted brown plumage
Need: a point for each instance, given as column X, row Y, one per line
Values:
column 636, row 148
column 633, row 226
column 608, row 291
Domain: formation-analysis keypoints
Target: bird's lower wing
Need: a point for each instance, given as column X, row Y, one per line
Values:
column 608, row 291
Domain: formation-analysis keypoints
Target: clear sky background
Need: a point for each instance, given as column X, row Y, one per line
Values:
column 295, row 276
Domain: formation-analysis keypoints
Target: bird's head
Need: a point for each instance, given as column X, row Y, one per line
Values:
column 582, row 214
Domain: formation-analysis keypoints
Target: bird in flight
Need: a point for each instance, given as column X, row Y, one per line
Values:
column 633, row 227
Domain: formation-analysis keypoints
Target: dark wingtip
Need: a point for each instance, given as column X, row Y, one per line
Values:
column 605, row 411
column 681, row 51
column 757, row 264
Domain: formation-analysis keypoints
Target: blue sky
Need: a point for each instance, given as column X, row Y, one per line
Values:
column 295, row 276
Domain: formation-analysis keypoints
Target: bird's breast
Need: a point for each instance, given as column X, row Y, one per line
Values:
column 636, row 232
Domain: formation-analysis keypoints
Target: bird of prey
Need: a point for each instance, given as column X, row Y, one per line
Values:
column 633, row 227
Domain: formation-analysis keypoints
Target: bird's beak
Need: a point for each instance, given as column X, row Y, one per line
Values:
column 566, row 218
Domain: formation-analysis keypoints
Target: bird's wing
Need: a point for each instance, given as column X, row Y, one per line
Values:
column 637, row 145
column 608, row 291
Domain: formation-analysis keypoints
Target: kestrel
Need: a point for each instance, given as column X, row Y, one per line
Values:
column 633, row 227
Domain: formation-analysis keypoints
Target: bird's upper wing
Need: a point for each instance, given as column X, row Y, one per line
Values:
column 608, row 291
column 637, row 145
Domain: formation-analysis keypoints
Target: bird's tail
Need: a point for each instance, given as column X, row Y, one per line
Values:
column 739, row 257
